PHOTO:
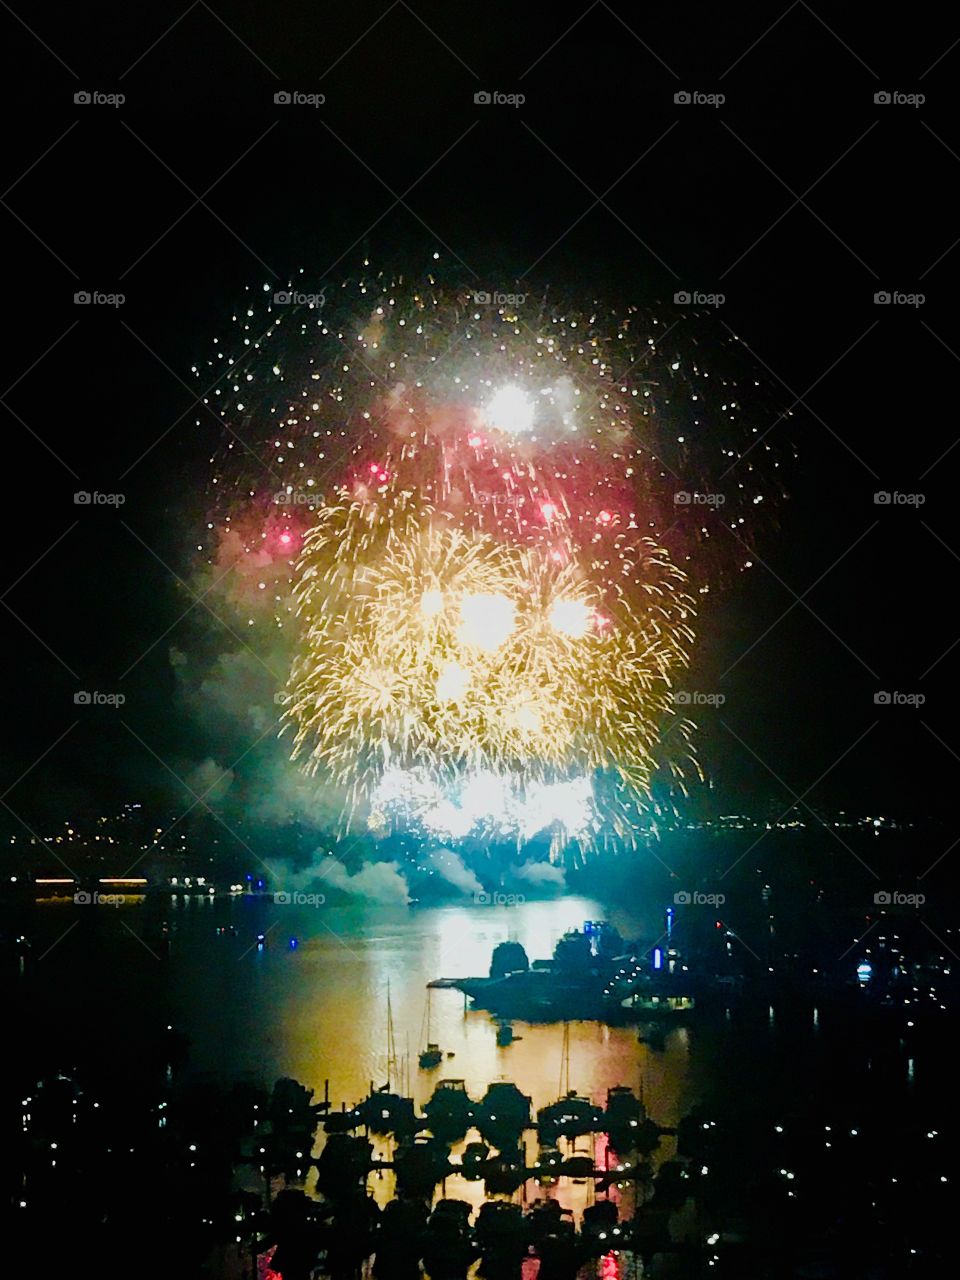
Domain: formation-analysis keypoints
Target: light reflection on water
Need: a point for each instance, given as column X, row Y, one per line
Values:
column 319, row 1012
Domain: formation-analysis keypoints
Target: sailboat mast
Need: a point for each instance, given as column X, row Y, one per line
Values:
column 392, row 1065
column 565, row 1062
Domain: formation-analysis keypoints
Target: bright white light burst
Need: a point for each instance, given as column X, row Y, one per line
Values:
column 487, row 803
column 511, row 410
column 452, row 683
column 571, row 618
column 431, row 603
column 486, row 621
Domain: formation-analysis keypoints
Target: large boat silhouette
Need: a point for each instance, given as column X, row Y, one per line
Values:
column 593, row 974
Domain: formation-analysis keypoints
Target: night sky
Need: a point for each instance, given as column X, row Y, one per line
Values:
column 798, row 198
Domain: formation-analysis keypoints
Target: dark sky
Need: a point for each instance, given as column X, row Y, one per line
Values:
column 798, row 198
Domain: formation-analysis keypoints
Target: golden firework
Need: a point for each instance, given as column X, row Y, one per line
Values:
column 446, row 654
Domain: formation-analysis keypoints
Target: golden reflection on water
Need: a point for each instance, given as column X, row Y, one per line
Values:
column 319, row 1012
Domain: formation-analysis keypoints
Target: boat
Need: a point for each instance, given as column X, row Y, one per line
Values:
column 383, row 1112
column 448, row 1246
column 501, row 1238
column 450, row 1111
column 627, row 1122
column 578, row 1166
column 474, row 1159
column 503, row 1113
column 547, row 1166
column 571, row 1116
column 624, row 1109
column 343, row 1121
column 593, row 975
column 343, row 1164
column 506, row 1172
column 420, row 1163
column 432, row 1055
column 579, row 982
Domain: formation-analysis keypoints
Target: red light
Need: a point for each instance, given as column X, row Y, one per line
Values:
column 609, row 1267
column 548, row 510
column 285, row 538
column 474, row 441
column 605, row 517
column 556, row 556
column 264, row 1270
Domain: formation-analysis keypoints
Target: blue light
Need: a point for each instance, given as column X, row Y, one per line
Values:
column 293, row 944
column 657, row 958
column 865, row 971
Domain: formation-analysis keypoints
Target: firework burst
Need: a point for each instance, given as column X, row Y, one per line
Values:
column 473, row 526
column 444, row 655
